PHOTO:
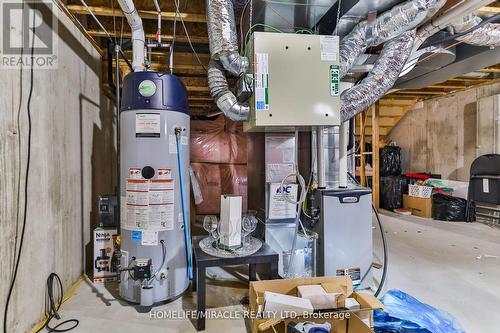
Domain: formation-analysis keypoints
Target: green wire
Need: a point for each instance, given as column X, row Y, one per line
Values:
column 304, row 30
column 301, row 30
column 250, row 30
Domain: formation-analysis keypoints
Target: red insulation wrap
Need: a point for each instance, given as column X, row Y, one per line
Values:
column 218, row 141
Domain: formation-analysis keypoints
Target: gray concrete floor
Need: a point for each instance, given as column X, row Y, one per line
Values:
column 442, row 264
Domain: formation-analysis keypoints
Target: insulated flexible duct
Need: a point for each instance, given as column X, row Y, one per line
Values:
column 225, row 99
column 382, row 77
column 486, row 35
column 222, row 34
column 224, row 57
column 390, row 24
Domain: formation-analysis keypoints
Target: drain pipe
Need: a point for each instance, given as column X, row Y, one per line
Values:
column 138, row 40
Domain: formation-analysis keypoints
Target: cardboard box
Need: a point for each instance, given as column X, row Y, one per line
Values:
column 342, row 320
column 318, row 296
column 279, row 303
column 418, row 206
column 105, row 267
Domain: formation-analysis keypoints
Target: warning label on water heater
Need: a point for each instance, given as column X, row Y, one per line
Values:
column 149, row 204
column 147, row 125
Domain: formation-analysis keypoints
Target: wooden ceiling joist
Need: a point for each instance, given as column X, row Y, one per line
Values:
column 493, row 69
column 145, row 14
column 420, row 92
column 489, row 10
column 166, row 38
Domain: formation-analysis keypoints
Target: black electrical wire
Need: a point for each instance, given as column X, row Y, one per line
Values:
column 491, row 19
column 55, row 305
column 164, row 258
column 384, row 244
column 19, row 151
column 27, row 171
column 176, row 2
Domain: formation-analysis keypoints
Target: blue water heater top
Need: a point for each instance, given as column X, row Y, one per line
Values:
column 154, row 90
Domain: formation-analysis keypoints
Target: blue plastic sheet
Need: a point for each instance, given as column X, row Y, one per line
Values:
column 406, row 314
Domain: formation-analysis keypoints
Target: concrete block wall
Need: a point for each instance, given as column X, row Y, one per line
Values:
column 72, row 161
column 440, row 134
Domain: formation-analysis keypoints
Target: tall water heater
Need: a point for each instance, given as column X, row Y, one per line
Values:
column 154, row 124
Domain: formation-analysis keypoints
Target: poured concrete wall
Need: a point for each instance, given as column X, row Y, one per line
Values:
column 72, row 161
column 440, row 136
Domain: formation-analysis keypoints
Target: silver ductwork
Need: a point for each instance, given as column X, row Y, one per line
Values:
column 138, row 41
column 222, row 34
column 486, row 35
column 390, row 24
column 382, row 77
column 225, row 57
column 225, row 99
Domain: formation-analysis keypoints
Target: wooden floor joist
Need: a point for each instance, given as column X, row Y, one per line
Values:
column 165, row 38
column 145, row 14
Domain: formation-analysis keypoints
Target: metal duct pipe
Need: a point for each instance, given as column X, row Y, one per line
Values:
column 224, row 53
column 448, row 18
column 382, row 77
column 392, row 23
column 225, row 99
column 222, row 34
column 487, row 35
column 138, row 41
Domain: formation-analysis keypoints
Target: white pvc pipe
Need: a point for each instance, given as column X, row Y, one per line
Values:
column 443, row 21
column 138, row 40
column 320, row 155
column 343, row 156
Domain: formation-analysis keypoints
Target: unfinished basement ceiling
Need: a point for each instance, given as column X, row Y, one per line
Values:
column 441, row 72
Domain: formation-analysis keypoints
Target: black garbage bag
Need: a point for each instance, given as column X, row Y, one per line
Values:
column 390, row 161
column 448, row 208
column 392, row 189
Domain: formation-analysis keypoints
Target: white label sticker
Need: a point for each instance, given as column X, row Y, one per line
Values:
column 149, row 238
column 149, row 204
column 486, row 185
column 329, row 48
column 147, row 124
column 164, row 173
column 261, row 81
column 279, row 208
column 134, row 173
column 172, row 144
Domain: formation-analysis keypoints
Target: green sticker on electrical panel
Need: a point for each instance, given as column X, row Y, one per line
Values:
column 147, row 88
column 334, row 80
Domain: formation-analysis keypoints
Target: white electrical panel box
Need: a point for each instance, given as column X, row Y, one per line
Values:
column 296, row 81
